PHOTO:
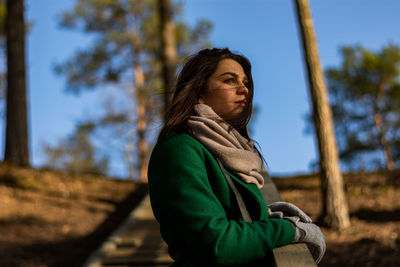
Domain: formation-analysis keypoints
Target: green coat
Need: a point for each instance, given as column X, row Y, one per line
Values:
column 198, row 214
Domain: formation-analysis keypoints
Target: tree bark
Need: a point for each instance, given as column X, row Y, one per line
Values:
column 167, row 49
column 383, row 141
column 129, row 149
column 379, row 128
column 16, row 145
column 141, row 118
column 335, row 210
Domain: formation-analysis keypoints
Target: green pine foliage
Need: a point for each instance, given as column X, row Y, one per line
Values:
column 123, row 32
column 76, row 153
column 366, row 83
column 121, row 29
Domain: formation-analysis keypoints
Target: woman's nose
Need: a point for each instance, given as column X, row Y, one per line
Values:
column 242, row 89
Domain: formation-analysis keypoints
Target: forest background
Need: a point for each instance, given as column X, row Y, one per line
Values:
column 264, row 31
column 95, row 105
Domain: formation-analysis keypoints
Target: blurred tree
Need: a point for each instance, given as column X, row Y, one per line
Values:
column 16, row 145
column 167, row 49
column 365, row 97
column 3, row 13
column 3, row 56
column 334, row 209
column 76, row 153
column 125, row 53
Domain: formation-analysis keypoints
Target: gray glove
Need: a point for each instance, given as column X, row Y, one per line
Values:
column 281, row 209
column 310, row 234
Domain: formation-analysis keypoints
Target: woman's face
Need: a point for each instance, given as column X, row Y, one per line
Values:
column 226, row 91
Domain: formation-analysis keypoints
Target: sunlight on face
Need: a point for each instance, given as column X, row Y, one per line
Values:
column 227, row 90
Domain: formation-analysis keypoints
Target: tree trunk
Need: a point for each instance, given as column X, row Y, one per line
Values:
column 16, row 145
column 129, row 149
column 379, row 128
column 167, row 49
column 335, row 210
column 384, row 142
column 141, row 118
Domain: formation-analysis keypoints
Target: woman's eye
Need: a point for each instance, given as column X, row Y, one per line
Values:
column 229, row 80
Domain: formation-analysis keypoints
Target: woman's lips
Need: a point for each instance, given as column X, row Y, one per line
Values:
column 242, row 102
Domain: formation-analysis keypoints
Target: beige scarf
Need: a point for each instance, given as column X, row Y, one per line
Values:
column 233, row 150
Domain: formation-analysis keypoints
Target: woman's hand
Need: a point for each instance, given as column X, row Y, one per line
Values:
column 310, row 234
column 282, row 209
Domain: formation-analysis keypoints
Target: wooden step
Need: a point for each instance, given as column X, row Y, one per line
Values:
column 137, row 243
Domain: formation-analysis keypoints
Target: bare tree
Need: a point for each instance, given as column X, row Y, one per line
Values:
column 167, row 49
column 141, row 113
column 16, row 145
column 335, row 210
column 378, row 123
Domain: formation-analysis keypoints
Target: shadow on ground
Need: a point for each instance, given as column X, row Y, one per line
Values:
column 377, row 216
column 365, row 252
column 73, row 251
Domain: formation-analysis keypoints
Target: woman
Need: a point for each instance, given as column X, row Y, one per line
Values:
column 204, row 172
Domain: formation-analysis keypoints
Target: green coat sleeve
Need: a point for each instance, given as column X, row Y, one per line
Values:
column 179, row 186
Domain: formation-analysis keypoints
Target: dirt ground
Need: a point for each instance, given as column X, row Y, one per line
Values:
column 373, row 239
column 58, row 219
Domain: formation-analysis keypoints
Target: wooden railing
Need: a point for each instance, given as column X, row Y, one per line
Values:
column 293, row 255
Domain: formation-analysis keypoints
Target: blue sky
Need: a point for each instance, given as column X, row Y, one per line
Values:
column 263, row 30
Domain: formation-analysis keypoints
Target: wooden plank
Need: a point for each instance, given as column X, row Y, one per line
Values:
column 136, row 259
column 152, row 246
column 293, row 255
column 140, row 265
column 136, row 243
column 269, row 191
column 135, row 236
column 140, row 244
column 132, row 254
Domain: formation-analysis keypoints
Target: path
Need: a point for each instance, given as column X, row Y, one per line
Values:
column 136, row 243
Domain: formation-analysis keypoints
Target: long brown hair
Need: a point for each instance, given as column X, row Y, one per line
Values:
column 192, row 82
